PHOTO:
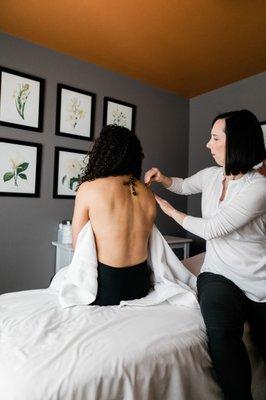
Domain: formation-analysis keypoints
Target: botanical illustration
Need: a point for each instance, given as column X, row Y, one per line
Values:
column 75, row 112
column 119, row 118
column 72, row 168
column 18, row 166
column 21, row 95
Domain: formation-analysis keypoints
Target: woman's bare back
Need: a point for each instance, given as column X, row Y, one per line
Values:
column 121, row 221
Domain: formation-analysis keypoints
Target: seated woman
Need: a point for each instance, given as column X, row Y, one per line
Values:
column 122, row 211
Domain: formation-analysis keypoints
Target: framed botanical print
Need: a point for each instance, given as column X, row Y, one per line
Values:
column 119, row 113
column 68, row 166
column 21, row 100
column 20, row 168
column 75, row 112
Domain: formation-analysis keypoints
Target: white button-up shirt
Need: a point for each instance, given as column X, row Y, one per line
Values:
column 234, row 229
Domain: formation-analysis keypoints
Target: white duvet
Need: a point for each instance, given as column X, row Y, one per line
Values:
column 105, row 353
column 53, row 346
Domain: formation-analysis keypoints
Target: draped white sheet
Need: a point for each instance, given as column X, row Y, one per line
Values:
column 77, row 283
column 105, row 353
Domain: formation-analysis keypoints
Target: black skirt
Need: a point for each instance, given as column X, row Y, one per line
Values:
column 126, row 283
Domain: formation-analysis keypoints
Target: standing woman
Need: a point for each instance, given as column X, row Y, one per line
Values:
column 232, row 282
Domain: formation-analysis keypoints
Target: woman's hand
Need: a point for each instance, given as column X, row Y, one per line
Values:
column 165, row 206
column 169, row 210
column 155, row 175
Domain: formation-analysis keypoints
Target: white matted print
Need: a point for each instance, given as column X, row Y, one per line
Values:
column 19, row 168
column 119, row 113
column 69, row 164
column 75, row 112
column 21, row 100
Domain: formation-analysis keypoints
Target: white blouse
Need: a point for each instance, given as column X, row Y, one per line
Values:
column 234, row 229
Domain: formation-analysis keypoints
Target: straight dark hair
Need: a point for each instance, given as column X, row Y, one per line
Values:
column 245, row 146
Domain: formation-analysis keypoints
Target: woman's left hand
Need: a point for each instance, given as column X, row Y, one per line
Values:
column 165, row 206
column 178, row 216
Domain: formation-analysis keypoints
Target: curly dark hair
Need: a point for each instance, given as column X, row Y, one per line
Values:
column 117, row 151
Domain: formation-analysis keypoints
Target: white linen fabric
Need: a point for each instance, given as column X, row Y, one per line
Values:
column 106, row 353
column 234, row 229
column 77, row 283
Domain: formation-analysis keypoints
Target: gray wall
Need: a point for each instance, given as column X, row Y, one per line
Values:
column 28, row 225
column 248, row 93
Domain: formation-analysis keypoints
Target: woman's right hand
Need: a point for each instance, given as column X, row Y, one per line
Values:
column 155, row 175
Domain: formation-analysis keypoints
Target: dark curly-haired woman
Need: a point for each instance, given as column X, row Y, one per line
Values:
column 122, row 211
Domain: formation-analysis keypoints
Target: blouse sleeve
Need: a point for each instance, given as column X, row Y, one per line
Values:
column 249, row 204
column 191, row 185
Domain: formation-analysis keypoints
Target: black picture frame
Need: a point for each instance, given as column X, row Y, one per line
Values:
column 58, row 128
column 56, row 194
column 41, row 81
column 106, row 104
column 37, row 185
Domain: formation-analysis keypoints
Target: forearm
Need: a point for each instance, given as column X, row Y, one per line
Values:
column 187, row 186
column 178, row 216
column 166, row 181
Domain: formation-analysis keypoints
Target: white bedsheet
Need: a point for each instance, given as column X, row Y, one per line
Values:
column 104, row 353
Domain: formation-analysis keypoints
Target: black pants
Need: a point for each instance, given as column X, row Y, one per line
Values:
column 126, row 283
column 225, row 308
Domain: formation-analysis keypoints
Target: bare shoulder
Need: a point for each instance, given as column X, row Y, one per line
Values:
column 85, row 188
column 147, row 191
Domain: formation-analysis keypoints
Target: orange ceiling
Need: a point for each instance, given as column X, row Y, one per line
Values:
column 185, row 46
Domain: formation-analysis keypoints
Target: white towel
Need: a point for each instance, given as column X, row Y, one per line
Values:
column 77, row 283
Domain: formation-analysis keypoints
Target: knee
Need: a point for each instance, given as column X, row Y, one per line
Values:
column 221, row 317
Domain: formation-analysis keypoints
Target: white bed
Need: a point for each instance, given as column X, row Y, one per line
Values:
column 107, row 353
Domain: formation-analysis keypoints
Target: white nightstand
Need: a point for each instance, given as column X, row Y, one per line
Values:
column 176, row 242
column 64, row 252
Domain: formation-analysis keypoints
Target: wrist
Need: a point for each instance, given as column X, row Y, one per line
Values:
column 178, row 216
column 173, row 213
column 166, row 181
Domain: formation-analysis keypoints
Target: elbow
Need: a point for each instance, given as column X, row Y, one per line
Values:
column 208, row 237
column 209, row 233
